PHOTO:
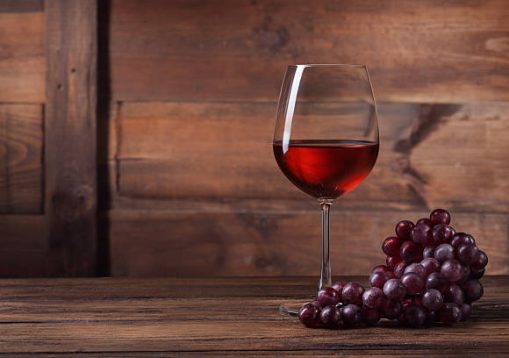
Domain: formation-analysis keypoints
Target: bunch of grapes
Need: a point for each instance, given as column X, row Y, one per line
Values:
column 431, row 275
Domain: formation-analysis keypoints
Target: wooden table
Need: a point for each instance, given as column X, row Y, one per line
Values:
column 217, row 317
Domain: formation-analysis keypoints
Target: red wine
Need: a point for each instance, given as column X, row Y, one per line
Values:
column 326, row 169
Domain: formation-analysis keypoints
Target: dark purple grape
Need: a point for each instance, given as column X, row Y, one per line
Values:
column 413, row 283
column 467, row 254
column 454, row 294
column 428, row 252
column 417, row 269
column 370, row 316
column 415, row 316
column 399, row 269
column 461, row 238
column 421, row 234
column 465, row 274
column 432, row 299
column 330, row 317
column 309, row 315
column 436, row 281
column 338, row 287
column 444, row 252
column 476, row 274
column 392, row 261
column 390, row 246
column 481, row 261
column 315, row 303
column 431, row 318
column 473, row 290
column 373, row 297
column 466, row 311
column 440, row 216
column 430, row 265
column 403, row 229
column 410, row 252
column 425, row 221
column 394, row 289
column 351, row 315
column 449, row 313
column 392, row 309
column 441, row 234
column 352, row 293
column 327, row 296
column 451, row 270
column 380, row 268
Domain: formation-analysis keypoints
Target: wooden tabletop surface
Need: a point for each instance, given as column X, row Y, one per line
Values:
column 217, row 317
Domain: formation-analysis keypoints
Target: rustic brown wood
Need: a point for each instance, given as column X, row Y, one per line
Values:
column 70, row 141
column 21, row 159
column 430, row 51
column 431, row 155
column 22, row 61
column 222, row 317
column 277, row 242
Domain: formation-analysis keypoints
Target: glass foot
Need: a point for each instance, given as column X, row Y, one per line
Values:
column 291, row 308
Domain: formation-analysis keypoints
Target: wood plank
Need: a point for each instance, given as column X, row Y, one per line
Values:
column 101, row 316
column 159, row 243
column 70, row 151
column 222, row 152
column 23, row 252
column 21, row 158
column 22, row 62
column 18, row 6
column 238, row 50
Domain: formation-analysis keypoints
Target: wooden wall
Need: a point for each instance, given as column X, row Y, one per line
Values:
column 192, row 185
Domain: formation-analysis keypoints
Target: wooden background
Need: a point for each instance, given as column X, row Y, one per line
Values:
column 187, row 92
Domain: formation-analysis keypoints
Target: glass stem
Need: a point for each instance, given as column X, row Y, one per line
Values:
column 325, row 275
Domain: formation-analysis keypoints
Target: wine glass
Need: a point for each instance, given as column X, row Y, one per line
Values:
column 326, row 136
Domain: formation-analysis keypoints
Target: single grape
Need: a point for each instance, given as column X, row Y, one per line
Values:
column 351, row 315
column 415, row 316
column 449, row 313
column 392, row 261
column 410, row 252
column 403, row 229
column 476, row 274
column 373, row 297
column 316, row 304
column 473, row 290
column 399, row 269
column 441, row 234
column 327, row 296
column 418, row 269
column 451, row 270
column 370, row 316
column 436, row 281
column 454, row 294
column 440, row 216
column 481, row 261
column 330, row 317
column 461, row 238
column 421, row 234
column 352, row 293
column 424, row 221
column 467, row 254
column 391, row 309
column 465, row 274
column 444, row 252
column 466, row 311
column 413, row 283
column 428, row 252
column 432, row 299
column 378, row 279
column 309, row 315
column 338, row 287
column 380, row 268
column 394, row 289
column 430, row 265
column 390, row 246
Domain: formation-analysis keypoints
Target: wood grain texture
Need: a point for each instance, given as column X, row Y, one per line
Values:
column 218, row 317
column 430, row 51
column 21, row 158
column 22, row 60
column 277, row 242
column 223, row 151
column 70, row 151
